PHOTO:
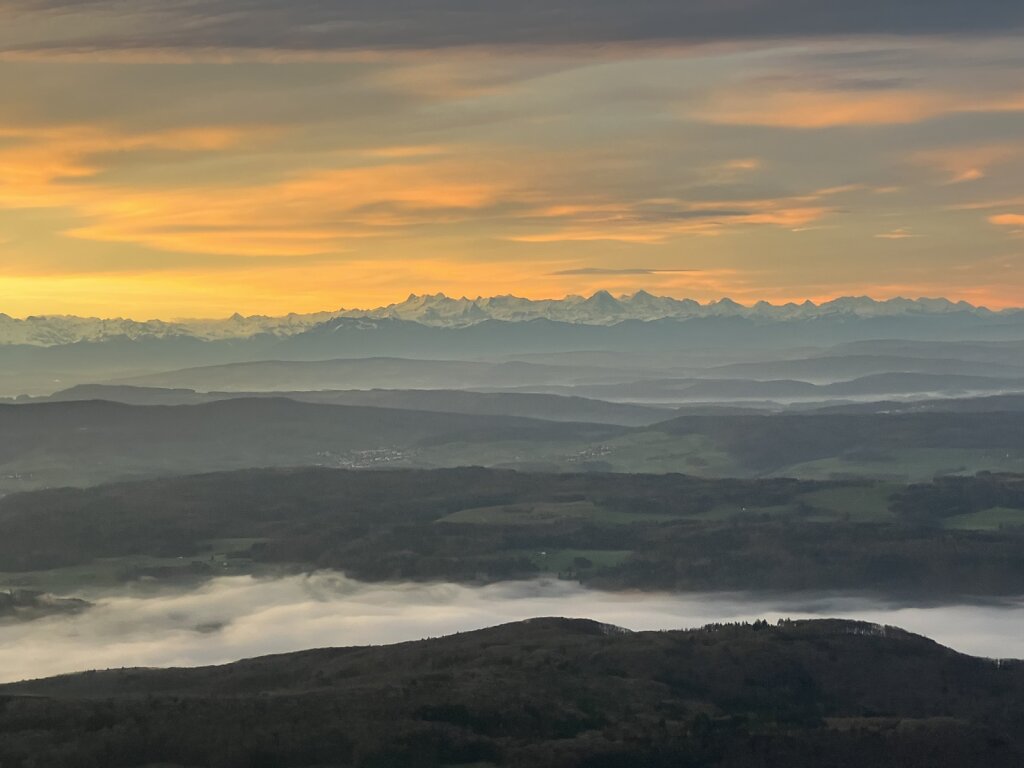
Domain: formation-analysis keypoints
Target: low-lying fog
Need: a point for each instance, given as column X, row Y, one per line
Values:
column 238, row 617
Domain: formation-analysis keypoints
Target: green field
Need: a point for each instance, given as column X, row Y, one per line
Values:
column 654, row 451
column 908, row 465
column 987, row 520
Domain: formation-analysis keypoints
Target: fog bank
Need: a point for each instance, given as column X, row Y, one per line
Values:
column 239, row 617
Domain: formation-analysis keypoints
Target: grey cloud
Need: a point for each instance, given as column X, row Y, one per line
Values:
column 321, row 25
column 871, row 83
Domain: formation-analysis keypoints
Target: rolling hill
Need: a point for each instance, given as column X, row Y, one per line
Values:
column 88, row 442
column 545, row 693
column 526, row 405
column 84, row 442
column 373, row 373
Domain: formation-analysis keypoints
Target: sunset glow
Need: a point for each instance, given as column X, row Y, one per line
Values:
column 156, row 161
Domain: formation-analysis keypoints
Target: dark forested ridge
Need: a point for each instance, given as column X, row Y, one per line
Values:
column 669, row 532
column 544, row 693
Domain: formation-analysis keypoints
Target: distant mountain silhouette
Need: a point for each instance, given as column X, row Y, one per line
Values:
column 439, row 310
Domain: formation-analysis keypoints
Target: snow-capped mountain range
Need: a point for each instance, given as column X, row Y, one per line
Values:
column 438, row 310
column 604, row 309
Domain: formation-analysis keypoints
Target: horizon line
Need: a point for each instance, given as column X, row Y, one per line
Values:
column 440, row 295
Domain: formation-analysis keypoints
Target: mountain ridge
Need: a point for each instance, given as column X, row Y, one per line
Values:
column 439, row 310
column 544, row 693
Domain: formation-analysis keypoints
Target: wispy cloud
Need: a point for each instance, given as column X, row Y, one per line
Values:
column 305, row 213
column 1014, row 222
column 971, row 162
column 659, row 220
column 759, row 104
column 902, row 233
column 628, row 271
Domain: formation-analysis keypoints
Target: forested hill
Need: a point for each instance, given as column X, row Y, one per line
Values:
column 546, row 692
column 949, row 538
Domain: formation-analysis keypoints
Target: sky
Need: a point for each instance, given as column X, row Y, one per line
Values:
column 172, row 158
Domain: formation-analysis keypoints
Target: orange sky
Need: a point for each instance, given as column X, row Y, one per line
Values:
column 180, row 182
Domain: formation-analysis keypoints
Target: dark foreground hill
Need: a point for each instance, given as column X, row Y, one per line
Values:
column 547, row 692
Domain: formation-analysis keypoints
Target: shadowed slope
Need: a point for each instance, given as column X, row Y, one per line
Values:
column 547, row 692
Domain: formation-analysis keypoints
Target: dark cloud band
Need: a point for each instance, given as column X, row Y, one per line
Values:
column 326, row 25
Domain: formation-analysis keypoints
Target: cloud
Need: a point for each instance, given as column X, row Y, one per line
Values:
column 743, row 164
column 629, row 271
column 760, row 104
column 902, row 233
column 241, row 617
column 35, row 159
column 652, row 222
column 966, row 163
column 1015, row 221
column 334, row 201
column 1007, row 219
column 488, row 141
column 308, row 212
column 51, row 26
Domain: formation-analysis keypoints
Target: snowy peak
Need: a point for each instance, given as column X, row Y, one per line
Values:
column 52, row 330
column 438, row 310
column 602, row 308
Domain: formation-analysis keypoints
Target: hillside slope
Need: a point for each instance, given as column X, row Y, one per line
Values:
column 546, row 692
column 71, row 443
column 525, row 404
